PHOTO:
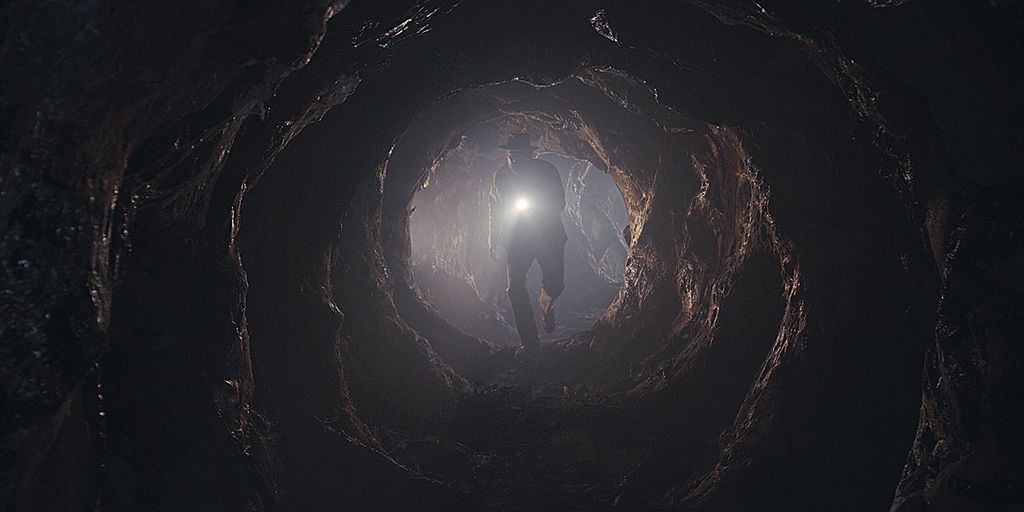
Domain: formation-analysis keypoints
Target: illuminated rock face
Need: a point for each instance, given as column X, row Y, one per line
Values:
column 209, row 297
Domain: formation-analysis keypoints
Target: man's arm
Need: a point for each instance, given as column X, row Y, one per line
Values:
column 556, row 182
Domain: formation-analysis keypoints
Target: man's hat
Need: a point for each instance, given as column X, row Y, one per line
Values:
column 518, row 142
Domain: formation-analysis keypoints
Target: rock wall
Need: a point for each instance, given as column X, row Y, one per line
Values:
column 207, row 299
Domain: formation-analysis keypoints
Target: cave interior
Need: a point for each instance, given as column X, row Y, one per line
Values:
column 245, row 266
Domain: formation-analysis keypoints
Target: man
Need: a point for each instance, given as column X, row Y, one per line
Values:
column 526, row 204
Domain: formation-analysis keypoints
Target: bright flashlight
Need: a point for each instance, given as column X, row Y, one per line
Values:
column 522, row 204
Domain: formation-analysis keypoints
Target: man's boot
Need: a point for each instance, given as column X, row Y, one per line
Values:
column 528, row 348
column 547, row 311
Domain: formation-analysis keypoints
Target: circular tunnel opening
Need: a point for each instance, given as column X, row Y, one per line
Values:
column 702, row 286
column 451, row 264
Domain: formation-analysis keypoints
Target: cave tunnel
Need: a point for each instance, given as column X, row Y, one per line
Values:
column 244, row 258
column 449, row 233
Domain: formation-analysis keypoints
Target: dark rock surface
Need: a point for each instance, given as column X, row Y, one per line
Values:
column 209, row 298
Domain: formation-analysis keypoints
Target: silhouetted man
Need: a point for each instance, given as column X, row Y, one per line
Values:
column 527, row 200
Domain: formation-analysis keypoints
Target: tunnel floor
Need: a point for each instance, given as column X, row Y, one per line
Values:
column 529, row 438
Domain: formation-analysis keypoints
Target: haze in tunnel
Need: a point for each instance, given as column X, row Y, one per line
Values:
column 454, row 272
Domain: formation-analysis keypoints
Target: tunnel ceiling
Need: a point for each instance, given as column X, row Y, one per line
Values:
column 208, row 300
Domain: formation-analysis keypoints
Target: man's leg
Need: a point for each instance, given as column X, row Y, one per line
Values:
column 519, row 262
column 552, row 267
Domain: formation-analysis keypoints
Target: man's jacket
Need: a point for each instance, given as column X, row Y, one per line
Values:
column 536, row 188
